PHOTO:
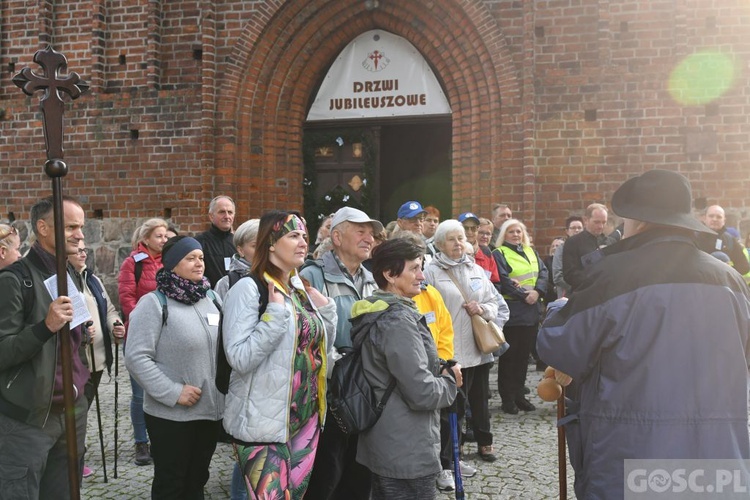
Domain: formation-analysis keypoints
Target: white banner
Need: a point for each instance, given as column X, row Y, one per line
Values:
column 378, row 74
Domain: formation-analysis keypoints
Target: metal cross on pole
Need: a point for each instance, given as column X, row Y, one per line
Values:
column 52, row 106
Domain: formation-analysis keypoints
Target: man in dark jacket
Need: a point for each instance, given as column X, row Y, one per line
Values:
column 657, row 340
column 724, row 242
column 217, row 242
column 33, row 461
column 578, row 248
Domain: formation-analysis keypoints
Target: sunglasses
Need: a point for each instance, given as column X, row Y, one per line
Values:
column 6, row 230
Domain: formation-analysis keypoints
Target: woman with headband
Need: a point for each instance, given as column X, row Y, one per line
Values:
column 276, row 402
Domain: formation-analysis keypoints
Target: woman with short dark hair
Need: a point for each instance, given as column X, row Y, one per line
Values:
column 402, row 449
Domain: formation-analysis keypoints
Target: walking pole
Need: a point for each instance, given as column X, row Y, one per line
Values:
column 453, row 422
column 562, row 467
column 52, row 106
column 98, row 411
column 117, row 369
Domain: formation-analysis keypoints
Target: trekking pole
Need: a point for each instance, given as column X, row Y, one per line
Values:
column 117, row 369
column 98, row 410
column 453, row 423
column 562, row 468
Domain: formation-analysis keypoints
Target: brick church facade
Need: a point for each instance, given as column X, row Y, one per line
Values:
column 554, row 102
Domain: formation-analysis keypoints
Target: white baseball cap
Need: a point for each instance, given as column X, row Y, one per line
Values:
column 350, row 214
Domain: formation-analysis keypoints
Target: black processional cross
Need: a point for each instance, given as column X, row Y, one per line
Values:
column 53, row 106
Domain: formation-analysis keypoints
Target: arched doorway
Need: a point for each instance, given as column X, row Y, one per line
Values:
column 378, row 132
column 285, row 51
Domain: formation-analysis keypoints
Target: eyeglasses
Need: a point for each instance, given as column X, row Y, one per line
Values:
column 420, row 219
column 83, row 250
column 471, row 229
column 485, row 234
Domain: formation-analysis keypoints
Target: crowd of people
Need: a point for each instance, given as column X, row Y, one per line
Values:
column 280, row 309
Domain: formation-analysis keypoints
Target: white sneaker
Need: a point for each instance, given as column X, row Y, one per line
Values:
column 445, row 481
column 467, row 470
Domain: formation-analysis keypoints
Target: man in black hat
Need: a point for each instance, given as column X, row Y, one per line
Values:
column 657, row 342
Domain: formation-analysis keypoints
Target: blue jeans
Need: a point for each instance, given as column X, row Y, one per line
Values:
column 239, row 487
column 136, row 413
column 137, row 417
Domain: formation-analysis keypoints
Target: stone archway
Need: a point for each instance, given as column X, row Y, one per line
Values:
column 284, row 51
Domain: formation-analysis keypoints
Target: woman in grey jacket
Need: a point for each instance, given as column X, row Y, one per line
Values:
column 403, row 448
column 276, row 400
column 171, row 354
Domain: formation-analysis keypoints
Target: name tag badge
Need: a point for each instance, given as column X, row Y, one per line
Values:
column 488, row 273
column 719, row 244
column 227, row 261
column 429, row 317
column 213, row 319
column 476, row 285
column 140, row 256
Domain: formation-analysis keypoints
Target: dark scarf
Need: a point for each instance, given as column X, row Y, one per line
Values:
column 182, row 290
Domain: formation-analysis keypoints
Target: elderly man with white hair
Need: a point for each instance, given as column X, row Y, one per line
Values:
column 339, row 274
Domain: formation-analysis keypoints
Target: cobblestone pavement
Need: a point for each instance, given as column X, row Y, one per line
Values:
column 526, row 446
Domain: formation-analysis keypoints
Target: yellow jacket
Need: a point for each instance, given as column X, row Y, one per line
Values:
column 430, row 303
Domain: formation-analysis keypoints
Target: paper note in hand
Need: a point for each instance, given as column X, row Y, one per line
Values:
column 80, row 311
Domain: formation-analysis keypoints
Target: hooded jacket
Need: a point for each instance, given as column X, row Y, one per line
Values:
column 657, row 341
column 325, row 276
column 261, row 353
column 396, row 342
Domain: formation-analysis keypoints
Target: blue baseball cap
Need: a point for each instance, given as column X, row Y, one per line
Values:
column 410, row 209
column 466, row 216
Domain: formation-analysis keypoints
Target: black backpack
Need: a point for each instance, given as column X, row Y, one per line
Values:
column 223, row 368
column 351, row 398
column 21, row 270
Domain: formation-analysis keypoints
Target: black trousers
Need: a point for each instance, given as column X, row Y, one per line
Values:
column 476, row 385
column 89, row 390
column 336, row 474
column 513, row 365
column 182, row 454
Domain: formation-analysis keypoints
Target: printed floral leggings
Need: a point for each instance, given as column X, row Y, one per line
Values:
column 281, row 471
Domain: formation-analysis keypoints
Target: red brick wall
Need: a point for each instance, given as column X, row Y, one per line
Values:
column 218, row 92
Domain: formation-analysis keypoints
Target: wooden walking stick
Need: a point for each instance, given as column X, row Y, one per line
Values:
column 549, row 389
column 562, row 467
column 52, row 107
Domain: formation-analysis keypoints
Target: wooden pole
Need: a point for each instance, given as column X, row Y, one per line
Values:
column 562, row 464
column 52, row 107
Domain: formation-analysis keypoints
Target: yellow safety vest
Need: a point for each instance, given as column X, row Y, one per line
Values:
column 747, row 256
column 524, row 271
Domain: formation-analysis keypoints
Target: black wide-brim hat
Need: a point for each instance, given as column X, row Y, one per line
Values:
column 658, row 196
